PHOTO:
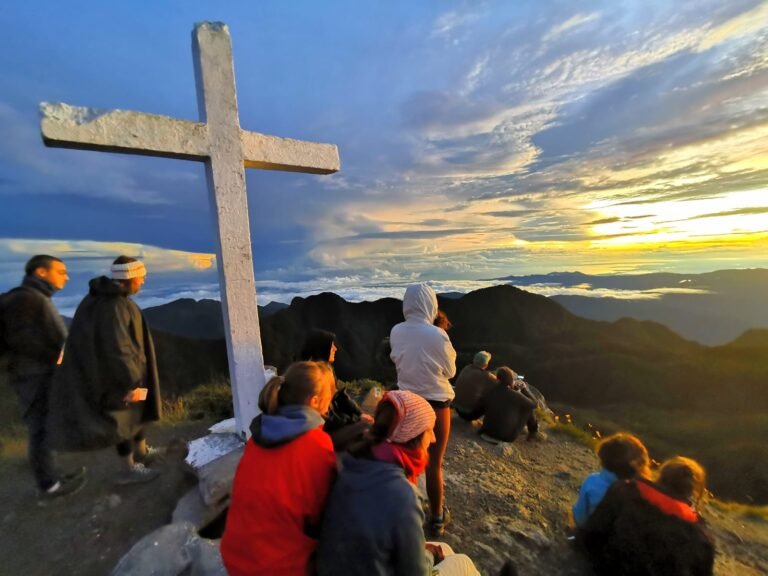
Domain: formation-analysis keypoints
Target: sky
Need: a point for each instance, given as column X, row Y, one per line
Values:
column 477, row 140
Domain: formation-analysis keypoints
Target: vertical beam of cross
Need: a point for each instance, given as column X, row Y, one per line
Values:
column 226, row 150
column 217, row 105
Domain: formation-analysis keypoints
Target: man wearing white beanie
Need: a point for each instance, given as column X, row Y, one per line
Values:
column 108, row 386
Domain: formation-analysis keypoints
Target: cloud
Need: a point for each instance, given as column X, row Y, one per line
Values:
column 740, row 27
column 81, row 173
column 574, row 21
column 88, row 256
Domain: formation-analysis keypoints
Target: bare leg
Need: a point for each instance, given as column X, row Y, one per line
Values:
column 435, row 485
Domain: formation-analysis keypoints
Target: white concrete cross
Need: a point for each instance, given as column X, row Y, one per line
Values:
column 218, row 141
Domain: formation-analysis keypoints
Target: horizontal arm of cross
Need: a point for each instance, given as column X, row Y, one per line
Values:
column 65, row 126
column 275, row 153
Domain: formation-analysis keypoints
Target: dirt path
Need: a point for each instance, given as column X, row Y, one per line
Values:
column 87, row 533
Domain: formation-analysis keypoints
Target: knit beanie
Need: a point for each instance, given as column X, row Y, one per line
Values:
column 414, row 416
column 482, row 359
column 128, row 270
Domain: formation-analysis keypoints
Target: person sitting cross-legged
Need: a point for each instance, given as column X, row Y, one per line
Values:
column 473, row 383
column 508, row 410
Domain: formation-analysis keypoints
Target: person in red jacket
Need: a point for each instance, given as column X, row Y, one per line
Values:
column 284, row 477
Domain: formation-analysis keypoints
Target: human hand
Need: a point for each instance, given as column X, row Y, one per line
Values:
column 436, row 551
column 367, row 418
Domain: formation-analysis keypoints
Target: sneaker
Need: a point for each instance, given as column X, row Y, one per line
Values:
column 74, row 474
column 138, row 474
column 537, row 437
column 152, row 455
column 489, row 439
column 437, row 525
column 62, row 487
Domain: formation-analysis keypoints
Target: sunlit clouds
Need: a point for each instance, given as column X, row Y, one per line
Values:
column 477, row 140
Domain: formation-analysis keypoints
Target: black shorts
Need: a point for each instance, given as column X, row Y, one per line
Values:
column 437, row 404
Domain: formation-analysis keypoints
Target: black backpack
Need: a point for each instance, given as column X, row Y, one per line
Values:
column 4, row 298
column 343, row 412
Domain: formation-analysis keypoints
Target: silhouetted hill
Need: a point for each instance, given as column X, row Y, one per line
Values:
column 200, row 319
column 730, row 302
column 572, row 359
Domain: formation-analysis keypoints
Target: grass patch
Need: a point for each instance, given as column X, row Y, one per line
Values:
column 212, row 401
column 13, row 443
column 747, row 511
column 578, row 434
column 587, row 435
column 359, row 387
column 731, row 447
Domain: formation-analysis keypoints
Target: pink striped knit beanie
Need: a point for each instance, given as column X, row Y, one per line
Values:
column 414, row 416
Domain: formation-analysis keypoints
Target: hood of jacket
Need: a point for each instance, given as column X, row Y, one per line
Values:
column 104, row 286
column 272, row 430
column 361, row 474
column 420, row 303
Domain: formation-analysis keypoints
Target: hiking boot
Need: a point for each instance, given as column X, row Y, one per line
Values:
column 537, row 437
column 437, row 526
column 151, row 455
column 138, row 474
column 62, row 487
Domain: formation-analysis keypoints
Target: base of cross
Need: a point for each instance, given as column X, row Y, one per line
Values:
column 192, row 536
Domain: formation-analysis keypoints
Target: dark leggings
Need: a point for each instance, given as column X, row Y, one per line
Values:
column 125, row 447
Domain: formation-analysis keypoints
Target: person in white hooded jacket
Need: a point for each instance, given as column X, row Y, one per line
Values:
column 425, row 360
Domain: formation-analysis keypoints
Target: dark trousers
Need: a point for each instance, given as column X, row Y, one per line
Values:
column 532, row 424
column 470, row 416
column 126, row 447
column 40, row 455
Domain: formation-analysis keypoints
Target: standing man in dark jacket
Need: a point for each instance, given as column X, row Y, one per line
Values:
column 109, row 375
column 34, row 334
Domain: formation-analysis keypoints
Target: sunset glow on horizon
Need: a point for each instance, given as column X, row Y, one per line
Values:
column 476, row 140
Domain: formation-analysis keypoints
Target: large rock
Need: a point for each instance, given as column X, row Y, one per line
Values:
column 215, row 478
column 173, row 550
column 191, row 508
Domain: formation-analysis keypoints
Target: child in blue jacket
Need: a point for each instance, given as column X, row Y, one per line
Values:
column 622, row 456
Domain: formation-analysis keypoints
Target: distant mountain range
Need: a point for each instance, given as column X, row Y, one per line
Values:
column 708, row 402
column 711, row 308
column 572, row 359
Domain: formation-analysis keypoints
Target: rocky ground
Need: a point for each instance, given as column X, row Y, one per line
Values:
column 508, row 501
column 512, row 501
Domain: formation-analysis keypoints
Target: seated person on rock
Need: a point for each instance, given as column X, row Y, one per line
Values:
column 643, row 528
column 346, row 422
column 508, row 410
column 622, row 457
column 373, row 524
column 284, row 477
column 473, row 383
